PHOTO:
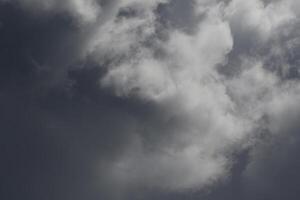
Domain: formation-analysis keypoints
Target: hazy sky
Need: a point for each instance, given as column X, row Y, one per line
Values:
column 149, row 99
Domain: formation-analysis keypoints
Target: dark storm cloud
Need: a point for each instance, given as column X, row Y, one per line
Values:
column 149, row 99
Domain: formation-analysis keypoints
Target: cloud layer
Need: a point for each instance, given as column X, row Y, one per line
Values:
column 172, row 92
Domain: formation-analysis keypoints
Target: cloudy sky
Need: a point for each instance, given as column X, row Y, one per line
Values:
column 149, row 99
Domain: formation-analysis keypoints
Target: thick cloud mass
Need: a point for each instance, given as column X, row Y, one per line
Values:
column 113, row 99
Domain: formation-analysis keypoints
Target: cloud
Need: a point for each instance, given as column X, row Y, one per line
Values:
column 272, row 171
column 185, row 77
column 85, row 11
column 165, row 103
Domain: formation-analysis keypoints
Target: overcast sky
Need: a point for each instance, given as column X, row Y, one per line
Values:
column 149, row 99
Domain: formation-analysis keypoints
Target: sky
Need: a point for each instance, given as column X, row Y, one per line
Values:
column 149, row 99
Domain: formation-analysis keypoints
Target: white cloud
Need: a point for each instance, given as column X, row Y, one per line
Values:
column 85, row 11
column 216, row 113
column 203, row 115
column 185, row 83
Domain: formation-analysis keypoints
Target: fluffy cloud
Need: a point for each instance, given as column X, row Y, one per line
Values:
column 212, row 108
column 200, row 113
column 85, row 11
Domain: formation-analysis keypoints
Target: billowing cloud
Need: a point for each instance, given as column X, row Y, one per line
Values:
column 189, row 90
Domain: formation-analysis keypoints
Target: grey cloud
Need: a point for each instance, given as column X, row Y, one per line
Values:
column 272, row 172
column 136, row 96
